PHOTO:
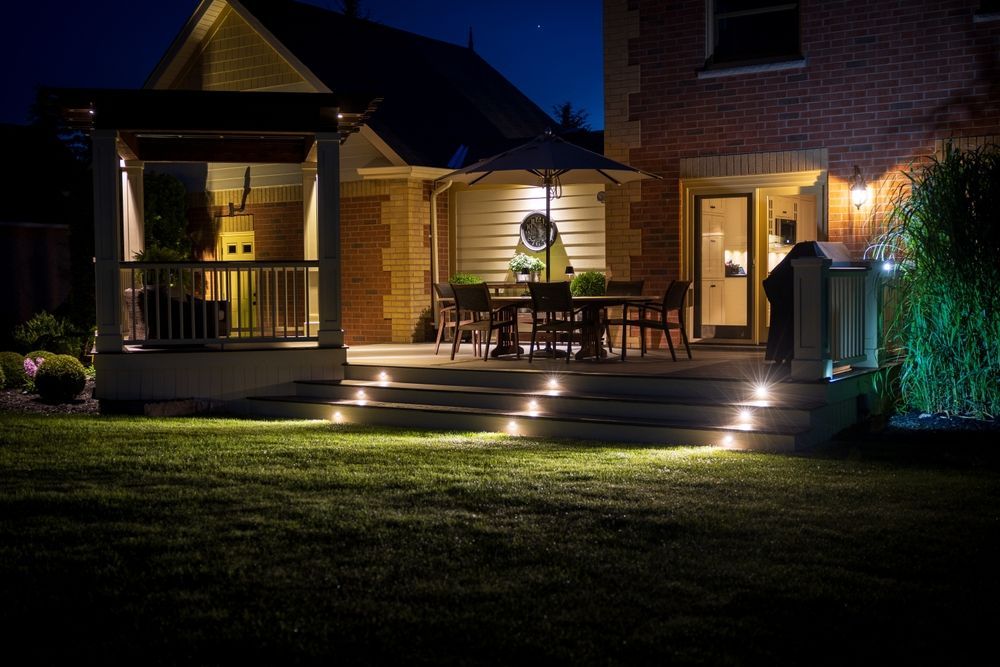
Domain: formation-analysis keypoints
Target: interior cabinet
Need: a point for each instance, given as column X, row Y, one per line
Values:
column 713, row 261
column 734, row 301
column 712, row 297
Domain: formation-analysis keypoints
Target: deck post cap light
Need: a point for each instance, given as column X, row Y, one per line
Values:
column 859, row 191
column 570, row 273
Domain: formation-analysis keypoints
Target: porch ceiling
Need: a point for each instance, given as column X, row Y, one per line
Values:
column 216, row 126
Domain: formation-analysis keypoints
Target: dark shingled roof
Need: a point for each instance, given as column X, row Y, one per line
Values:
column 438, row 97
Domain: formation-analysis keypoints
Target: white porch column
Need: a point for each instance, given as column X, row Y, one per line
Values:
column 309, row 230
column 107, row 240
column 132, row 209
column 331, row 332
column 811, row 356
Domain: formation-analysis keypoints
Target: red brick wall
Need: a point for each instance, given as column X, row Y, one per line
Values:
column 363, row 282
column 883, row 80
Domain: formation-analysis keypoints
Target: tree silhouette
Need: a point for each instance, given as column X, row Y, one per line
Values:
column 569, row 118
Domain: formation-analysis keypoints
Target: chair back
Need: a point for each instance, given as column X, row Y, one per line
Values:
column 550, row 297
column 624, row 287
column 444, row 290
column 475, row 298
column 675, row 295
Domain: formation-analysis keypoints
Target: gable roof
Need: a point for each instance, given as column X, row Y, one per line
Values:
column 443, row 105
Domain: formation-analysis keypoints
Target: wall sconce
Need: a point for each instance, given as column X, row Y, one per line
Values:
column 859, row 191
column 570, row 273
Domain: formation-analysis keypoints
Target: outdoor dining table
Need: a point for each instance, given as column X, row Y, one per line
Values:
column 591, row 309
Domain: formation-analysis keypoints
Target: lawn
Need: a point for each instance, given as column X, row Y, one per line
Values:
column 228, row 541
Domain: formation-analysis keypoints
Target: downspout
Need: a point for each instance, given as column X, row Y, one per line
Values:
column 434, row 246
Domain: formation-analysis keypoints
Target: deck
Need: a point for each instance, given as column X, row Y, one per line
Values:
column 725, row 396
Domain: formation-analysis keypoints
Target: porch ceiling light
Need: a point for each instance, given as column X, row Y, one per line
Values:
column 859, row 191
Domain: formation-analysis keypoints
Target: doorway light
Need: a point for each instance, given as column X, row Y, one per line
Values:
column 859, row 191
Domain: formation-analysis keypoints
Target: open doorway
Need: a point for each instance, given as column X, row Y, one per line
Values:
column 723, row 263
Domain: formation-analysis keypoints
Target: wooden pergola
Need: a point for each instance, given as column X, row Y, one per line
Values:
column 134, row 126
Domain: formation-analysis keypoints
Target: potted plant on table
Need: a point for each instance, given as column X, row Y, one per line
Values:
column 523, row 266
column 588, row 283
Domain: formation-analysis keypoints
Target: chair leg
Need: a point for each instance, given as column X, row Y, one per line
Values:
column 684, row 337
column 489, row 336
column 670, row 339
column 440, row 332
column 642, row 341
column 607, row 334
column 455, row 342
column 531, row 348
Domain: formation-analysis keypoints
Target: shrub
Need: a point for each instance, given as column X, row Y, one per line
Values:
column 588, row 283
column 12, row 365
column 48, row 332
column 40, row 354
column 60, row 378
column 2, row 378
column 943, row 237
column 465, row 279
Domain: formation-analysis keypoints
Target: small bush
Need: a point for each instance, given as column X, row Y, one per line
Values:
column 588, row 283
column 465, row 279
column 40, row 354
column 12, row 365
column 60, row 378
column 48, row 332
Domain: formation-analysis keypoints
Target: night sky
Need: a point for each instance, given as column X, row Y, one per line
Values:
column 550, row 49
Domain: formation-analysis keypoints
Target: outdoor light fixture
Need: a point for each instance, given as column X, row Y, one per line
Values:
column 859, row 191
column 888, row 266
column 533, row 407
column 512, row 427
column 383, row 378
column 727, row 441
column 552, row 384
column 338, row 418
column 570, row 273
column 760, row 391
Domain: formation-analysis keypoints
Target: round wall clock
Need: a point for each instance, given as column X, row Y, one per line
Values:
column 533, row 231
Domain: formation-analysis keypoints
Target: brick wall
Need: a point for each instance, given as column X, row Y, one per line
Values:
column 363, row 280
column 882, row 81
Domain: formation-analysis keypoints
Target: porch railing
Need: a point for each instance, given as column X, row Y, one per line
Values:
column 176, row 303
column 838, row 318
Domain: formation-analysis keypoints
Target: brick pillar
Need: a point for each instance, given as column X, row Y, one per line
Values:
column 407, row 258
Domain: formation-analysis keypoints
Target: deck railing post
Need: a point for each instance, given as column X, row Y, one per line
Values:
column 874, row 284
column 811, row 358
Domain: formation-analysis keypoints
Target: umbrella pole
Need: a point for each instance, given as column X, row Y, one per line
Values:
column 548, row 231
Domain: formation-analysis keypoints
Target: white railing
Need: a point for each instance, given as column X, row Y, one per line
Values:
column 837, row 319
column 175, row 303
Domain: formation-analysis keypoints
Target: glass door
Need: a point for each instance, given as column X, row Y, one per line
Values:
column 724, row 260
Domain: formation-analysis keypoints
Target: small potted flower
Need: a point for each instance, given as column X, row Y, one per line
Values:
column 526, row 267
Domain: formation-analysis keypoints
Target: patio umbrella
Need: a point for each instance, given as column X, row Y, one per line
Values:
column 547, row 161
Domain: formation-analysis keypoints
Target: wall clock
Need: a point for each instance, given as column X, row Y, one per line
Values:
column 533, row 231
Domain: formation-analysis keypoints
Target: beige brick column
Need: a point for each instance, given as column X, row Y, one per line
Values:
column 407, row 258
column 620, row 134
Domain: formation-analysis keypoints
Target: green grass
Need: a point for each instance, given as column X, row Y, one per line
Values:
column 227, row 541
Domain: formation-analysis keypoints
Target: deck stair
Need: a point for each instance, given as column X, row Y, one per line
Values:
column 580, row 405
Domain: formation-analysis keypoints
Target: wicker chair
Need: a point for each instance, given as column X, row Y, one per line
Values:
column 552, row 313
column 654, row 316
column 448, row 315
column 484, row 319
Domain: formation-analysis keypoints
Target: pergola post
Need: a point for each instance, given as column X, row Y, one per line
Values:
column 331, row 332
column 309, row 250
column 107, row 240
column 132, row 209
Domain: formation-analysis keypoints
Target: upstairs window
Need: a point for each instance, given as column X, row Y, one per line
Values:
column 748, row 32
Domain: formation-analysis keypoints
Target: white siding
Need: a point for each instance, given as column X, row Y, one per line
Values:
column 488, row 223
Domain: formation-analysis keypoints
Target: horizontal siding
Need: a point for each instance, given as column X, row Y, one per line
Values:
column 488, row 226
column 752, row 164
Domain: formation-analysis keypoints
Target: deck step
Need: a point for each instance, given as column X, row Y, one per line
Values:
column 524, row 423
column 795, row 413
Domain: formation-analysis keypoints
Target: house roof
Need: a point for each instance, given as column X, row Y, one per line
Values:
column 443, row 105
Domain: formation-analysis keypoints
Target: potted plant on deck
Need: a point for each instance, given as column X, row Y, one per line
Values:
column 526, row 267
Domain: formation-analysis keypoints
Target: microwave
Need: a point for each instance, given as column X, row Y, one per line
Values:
column 785, row 229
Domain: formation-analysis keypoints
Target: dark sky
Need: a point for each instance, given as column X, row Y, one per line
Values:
column 550, row 49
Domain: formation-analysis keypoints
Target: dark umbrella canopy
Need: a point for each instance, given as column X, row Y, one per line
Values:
column 547, row 161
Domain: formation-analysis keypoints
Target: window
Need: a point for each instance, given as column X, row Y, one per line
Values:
column 746, row 32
